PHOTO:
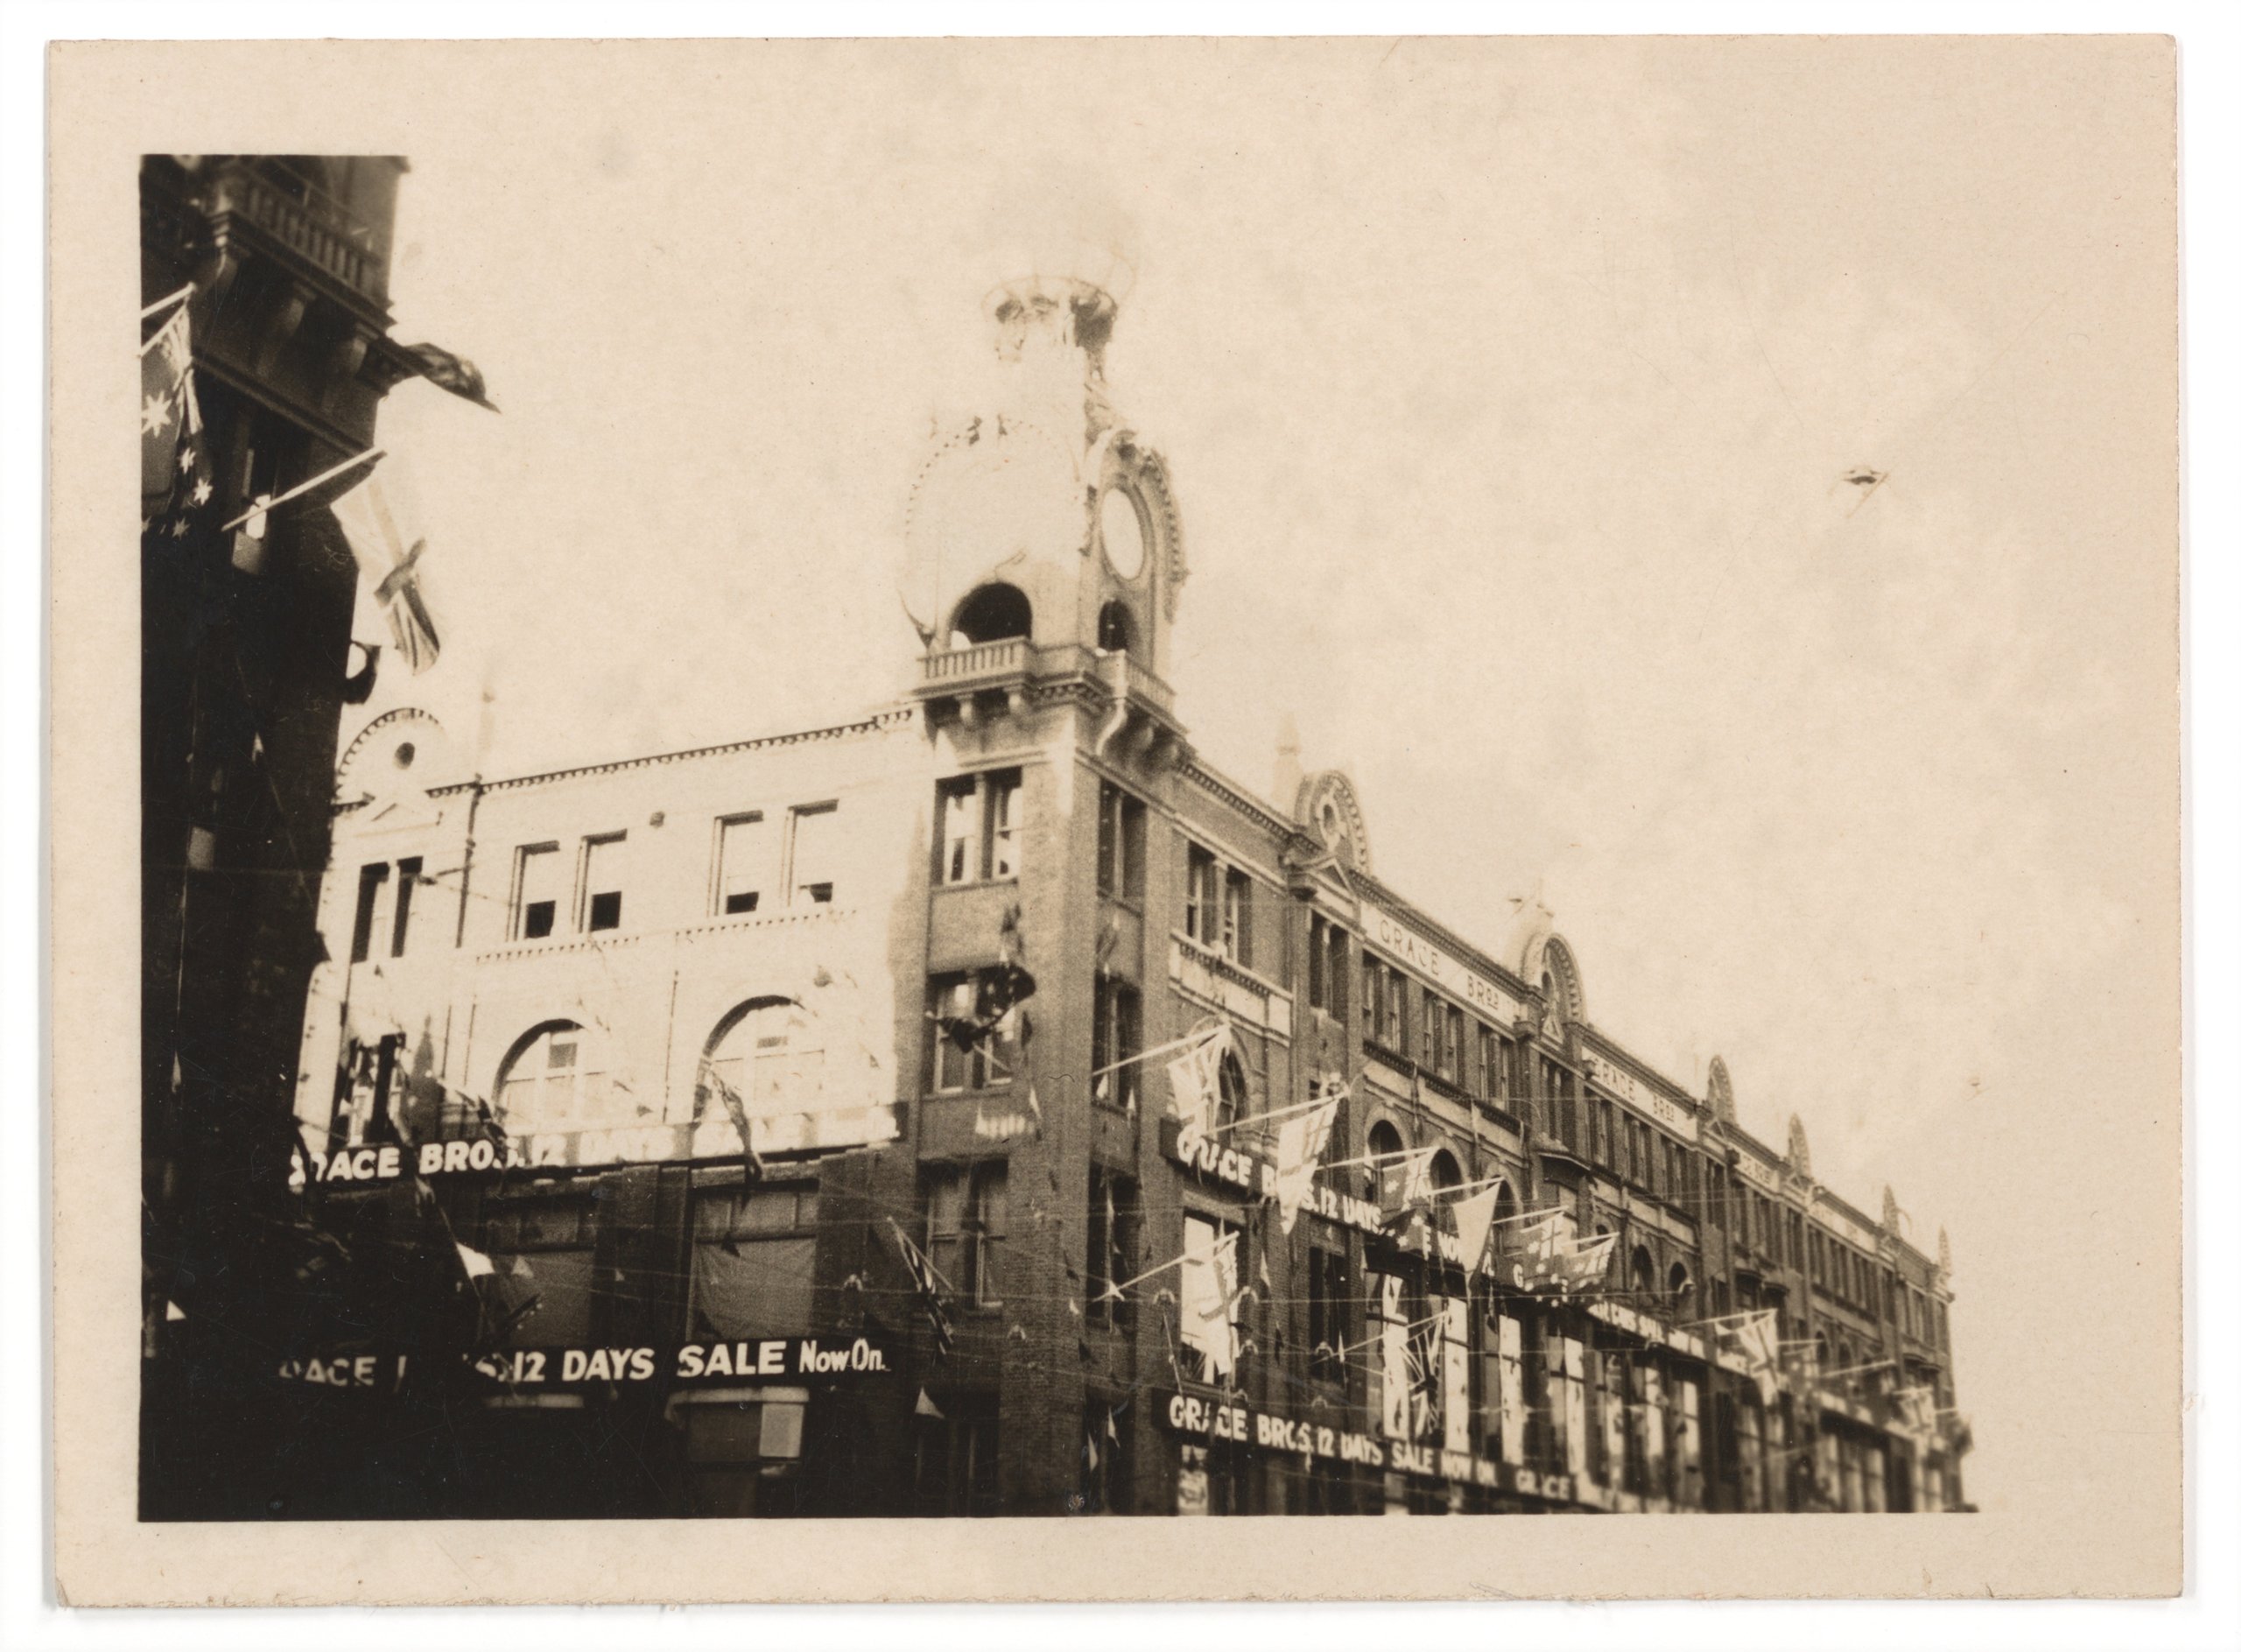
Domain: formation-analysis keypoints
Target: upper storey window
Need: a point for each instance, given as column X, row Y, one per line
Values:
column 979, row 828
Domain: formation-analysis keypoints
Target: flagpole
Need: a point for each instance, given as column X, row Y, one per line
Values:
column 161, row 305
column 370, row 455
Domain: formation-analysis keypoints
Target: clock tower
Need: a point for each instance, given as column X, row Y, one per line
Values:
column 1042, row 534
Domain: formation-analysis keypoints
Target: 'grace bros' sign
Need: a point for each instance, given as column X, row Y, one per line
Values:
column 1444, row 970
column 1224, row 1422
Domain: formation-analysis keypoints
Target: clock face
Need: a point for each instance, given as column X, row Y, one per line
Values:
column 1120, row 524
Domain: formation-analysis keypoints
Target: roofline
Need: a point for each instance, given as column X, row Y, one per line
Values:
column 888, row 717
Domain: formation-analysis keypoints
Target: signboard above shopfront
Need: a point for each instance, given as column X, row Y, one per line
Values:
column 641, row 1143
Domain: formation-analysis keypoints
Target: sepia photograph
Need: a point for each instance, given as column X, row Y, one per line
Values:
column 1138, row 779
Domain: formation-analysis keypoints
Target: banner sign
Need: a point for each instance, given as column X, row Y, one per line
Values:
column 1255, row 1177
column 624, row 1144
column 1196, row 1418
column 793, row 1358
column 1641, row 1325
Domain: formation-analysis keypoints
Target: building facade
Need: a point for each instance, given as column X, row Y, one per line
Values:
column 791, row 1127
column 266, row 279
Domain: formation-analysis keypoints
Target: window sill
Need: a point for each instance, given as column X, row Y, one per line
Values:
column 1010, row 879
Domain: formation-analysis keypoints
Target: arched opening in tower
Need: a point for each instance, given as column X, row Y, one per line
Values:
column 1113, row 636
column 991, row 614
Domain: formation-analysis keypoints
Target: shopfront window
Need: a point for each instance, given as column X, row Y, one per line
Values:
column 954, row 1464
column 540, row 1292
column 742, row 1455
column 754, row 1260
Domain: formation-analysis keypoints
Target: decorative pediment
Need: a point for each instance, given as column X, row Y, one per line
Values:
column 397, row 758
column 1548, row 963
column 1719, row 1092
column 1328, row 808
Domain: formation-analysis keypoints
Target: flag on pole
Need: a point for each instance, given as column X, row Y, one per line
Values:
column 712, row 1083
column 1417, row 1177
column 1194, row 1079
column 927, row 1407
column 478, row 1266
column 454, row 373
column 1300, row 1144
column 1210, row 1290
column 1474, row 1225
column 1752, row 1339
column 1581, row 1263
column 176, row 475
column 931, row 1299
column 381, row 522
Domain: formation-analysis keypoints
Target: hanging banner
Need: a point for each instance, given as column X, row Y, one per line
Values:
column 1196, row 1419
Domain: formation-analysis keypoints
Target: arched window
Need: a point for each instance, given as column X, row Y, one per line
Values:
column 1114, row 634
column 771, row 1052
column 1386, row 1171
column 1642, row 1274
column 1233, row 1101
column 552, row 1079
column 991, row 613
column 1677, row 1284
column 1446, row 1177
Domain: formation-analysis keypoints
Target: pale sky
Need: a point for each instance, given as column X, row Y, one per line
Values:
column 1508, row 396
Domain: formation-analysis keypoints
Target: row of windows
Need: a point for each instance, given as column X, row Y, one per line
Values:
column 755, row 857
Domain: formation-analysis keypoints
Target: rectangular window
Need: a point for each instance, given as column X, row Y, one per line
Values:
column 536, row 890
column 408, row 877
column 1326, row 1313
column 1002, row 811
column 1201, row 898
column 370, row 880
column 816, row 832
column 973, row 1047
column 1372, row 1000
column 550, row 1238
column 743, row 862
column 1396, row 1010
column 965, row 1229
column 958, row 804
column 1454, row 1053
column 978, row 829
column 603, row 883
column 1112, row 1250
column 1237, row 918
column 754, row 1260
column 1120, row 844
column 1116, row 1036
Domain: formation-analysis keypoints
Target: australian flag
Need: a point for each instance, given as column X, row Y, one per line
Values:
column 177, row 489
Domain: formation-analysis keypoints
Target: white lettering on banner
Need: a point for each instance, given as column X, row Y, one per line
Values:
column 1195, row 1151
column 1444, row 970
column 1202, row 1419
column 338, row 1371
